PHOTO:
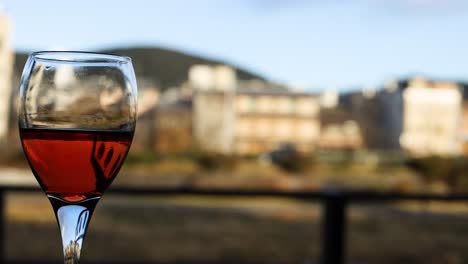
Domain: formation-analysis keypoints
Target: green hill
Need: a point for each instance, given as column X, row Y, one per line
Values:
column 163, row 66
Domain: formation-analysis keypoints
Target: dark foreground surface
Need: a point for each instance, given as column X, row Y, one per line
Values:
column 193, row 229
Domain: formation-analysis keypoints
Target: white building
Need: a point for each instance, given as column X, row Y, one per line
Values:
column 213, row 107
column 6, row 68
column 431, row 120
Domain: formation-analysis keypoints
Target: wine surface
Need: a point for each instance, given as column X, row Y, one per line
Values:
column 75, row 165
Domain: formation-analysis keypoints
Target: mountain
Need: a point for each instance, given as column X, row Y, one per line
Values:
column 164, row 67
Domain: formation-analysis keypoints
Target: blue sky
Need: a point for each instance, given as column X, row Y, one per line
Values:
column 308, row 43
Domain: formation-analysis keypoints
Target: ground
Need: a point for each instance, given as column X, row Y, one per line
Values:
column 266, row 230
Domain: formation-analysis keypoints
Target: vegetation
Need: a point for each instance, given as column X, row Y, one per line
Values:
column 143, row 157
column 215, row 161
column 451, row 171
column 289, row 159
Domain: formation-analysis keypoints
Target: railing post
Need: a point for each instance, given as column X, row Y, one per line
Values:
column 334, row 228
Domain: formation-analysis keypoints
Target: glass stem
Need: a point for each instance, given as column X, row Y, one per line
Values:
column 73, row 220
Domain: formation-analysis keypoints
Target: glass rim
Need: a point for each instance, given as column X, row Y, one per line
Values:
column 80, row 56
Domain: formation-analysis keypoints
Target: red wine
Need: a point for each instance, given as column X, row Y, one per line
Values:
column 74, row 165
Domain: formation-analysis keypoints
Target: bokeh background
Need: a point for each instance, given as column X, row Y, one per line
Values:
column 269, row 95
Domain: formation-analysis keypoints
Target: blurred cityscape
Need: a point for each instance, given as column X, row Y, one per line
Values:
column 217, row 112
column 216, row 116
column 208, row 124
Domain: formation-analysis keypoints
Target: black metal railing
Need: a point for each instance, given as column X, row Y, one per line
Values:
column 334, row 203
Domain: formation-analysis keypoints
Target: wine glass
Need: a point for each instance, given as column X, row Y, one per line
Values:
column 77, row 116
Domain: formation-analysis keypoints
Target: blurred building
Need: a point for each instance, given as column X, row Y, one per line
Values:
column 419, row 116
column 213, row 107
column 6, row 71
column 164, row 122
column 267, row 119
column 173, row 128
column 148, row 100
column 432, row 112
column 369, row 118
column 379, row 115
column 339, row 129
column 231, row 116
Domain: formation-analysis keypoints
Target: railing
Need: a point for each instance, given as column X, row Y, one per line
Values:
column 334, row 203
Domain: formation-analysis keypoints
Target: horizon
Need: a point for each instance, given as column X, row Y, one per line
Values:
column 355, row 88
